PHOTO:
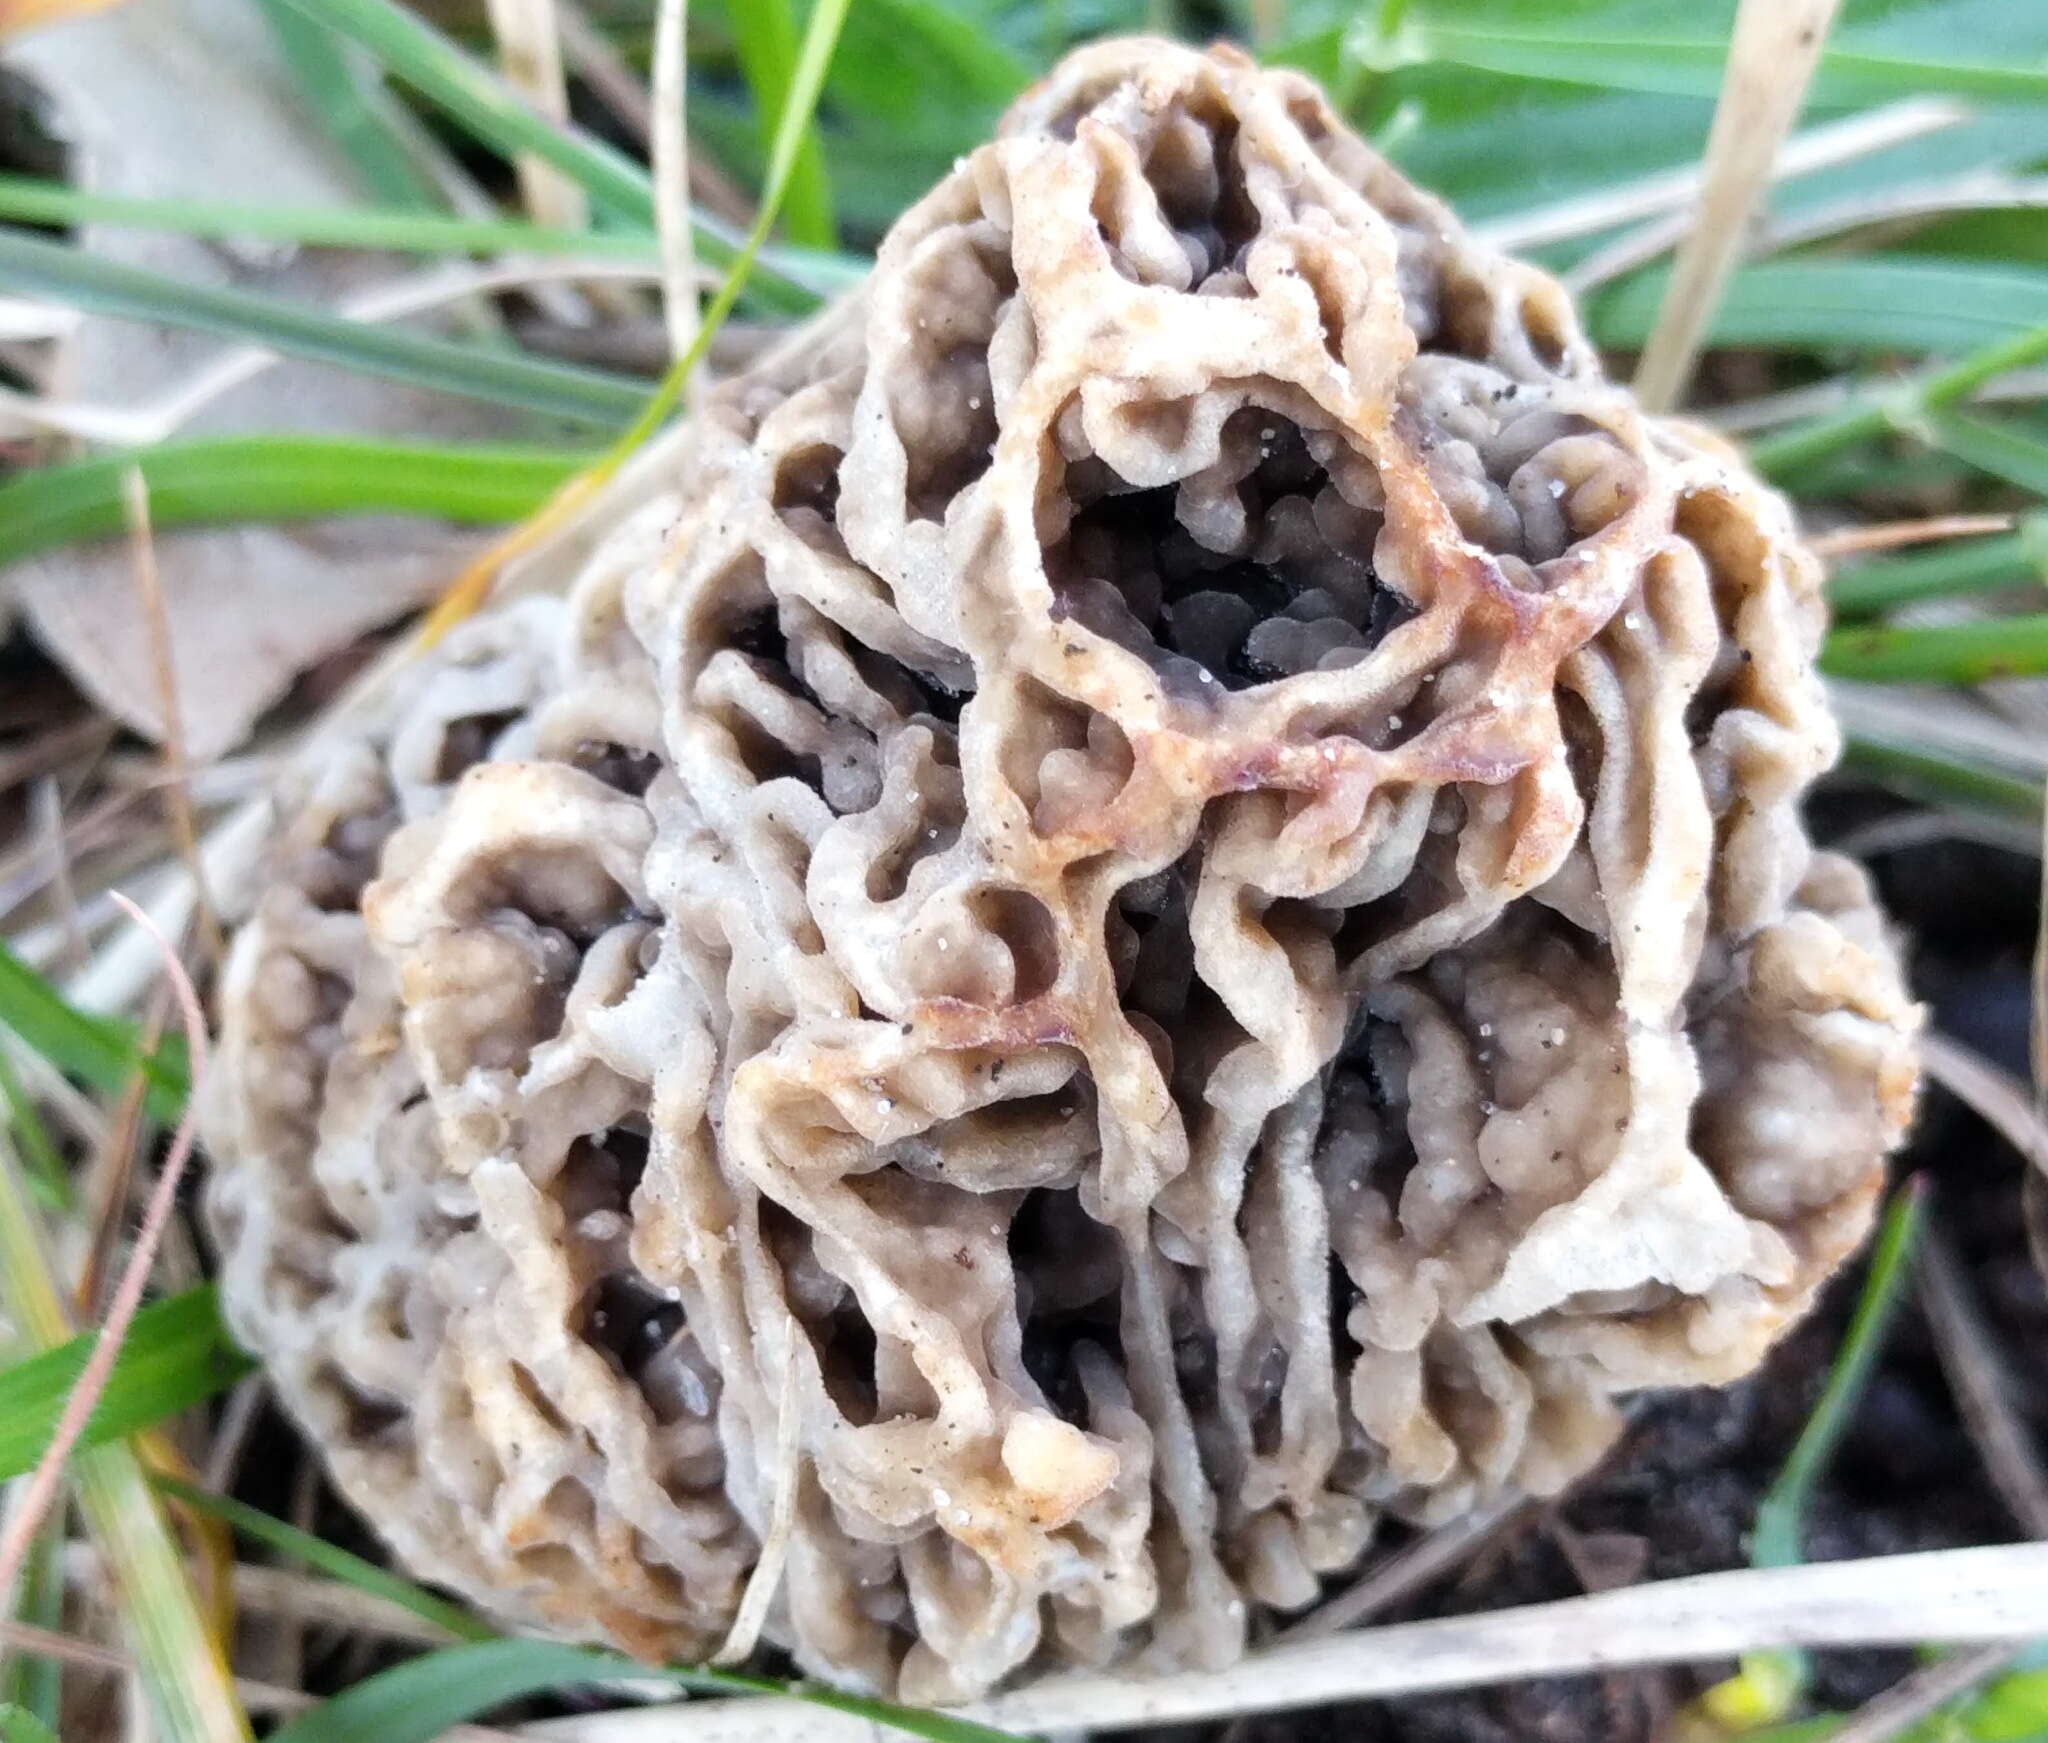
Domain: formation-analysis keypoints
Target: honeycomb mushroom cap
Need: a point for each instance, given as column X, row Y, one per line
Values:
column 1157, row 907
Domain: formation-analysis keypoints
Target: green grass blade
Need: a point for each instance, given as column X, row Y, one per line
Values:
column 488, row 109
column 979, row 67
column 1895, row 406
column 1814, row 1730
column 19, row 1725
column 1961, row 566
column 48, row 1179
column 189, row 1687
column 2014, row 1709
column 486, row 1679
column 821, row 36
column 28, row 199
column 1994, row 445
column 79, row 280
column 483, row 104
column 813, row 62
column 1769, row 1683
column 356, row 113
column 336, row 1563
column 1676, row 67
column 1781, row 1513
column 1954, row 653
column 1880, row 472
column 278, row 477
column 765, row 37
column 36, row 1685
column 418, row 1700
column 100, row 1051
column 1914, row 772
column 177, row 1354
column 1873, row 303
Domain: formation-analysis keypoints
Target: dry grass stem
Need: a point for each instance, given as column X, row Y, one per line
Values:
column 2034, row 1192
column 1892, row 534
column 530, row 55
column 1983, row 1391
column 1406, row 1572
column 1926, row 1691
column 113, row 1172
column 124, row 966
column 24, row 321
column 177, row 794
column 604, row 70
column 2000, row 1098
column 1943, row 723
column 260, row 1697
column 1770, row 410
column 49, row 750
column 2037, row 1031
column 1897, row 207
column 79, row 1115
column 1776, row 46
column 1965, row 1596
column 118, row 843
column 741, row 1638
column 473, row 586
column 1919, row 828
column 231, row 1433
column 640, row 347
column 281, row 1638
column 308, row 1599
column 1818, row 148
column 671, row 162
column 1908, row 205
column 46, row 814
column 78, row 1407
column 529, row 44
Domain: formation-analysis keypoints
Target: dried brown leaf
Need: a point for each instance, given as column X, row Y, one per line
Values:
column 249, row 607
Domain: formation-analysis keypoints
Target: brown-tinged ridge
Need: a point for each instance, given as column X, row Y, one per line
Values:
column 1166, row 886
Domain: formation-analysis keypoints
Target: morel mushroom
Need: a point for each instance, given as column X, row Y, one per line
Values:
column 1160, row 909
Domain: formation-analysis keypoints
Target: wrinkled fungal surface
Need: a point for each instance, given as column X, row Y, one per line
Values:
column 1159, row 908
